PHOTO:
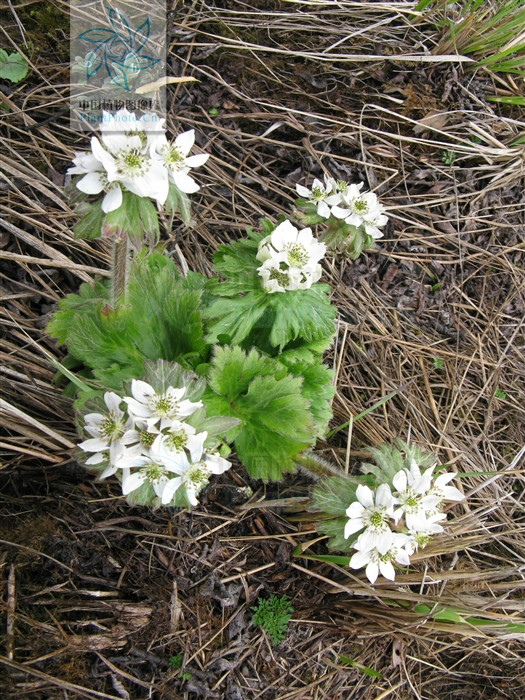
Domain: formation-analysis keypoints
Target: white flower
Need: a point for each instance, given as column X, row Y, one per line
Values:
column 361, row 209
column 166, row 407
column 442, row 492
column 155, row 472
column 412, row 490
column 278, row 277
column 107, row 431
column 318, row 194
column 422, row 530
column 373, row 516
column 381, row 562
column 290, row 259
column 299, row 249
column 174, row 156
column 193, row 473
column 122, row 158
column 180, row 437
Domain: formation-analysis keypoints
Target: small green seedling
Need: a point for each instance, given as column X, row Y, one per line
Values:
column 437, row 362
column 175, row 661
column 273, row 615
column 448, row 157
column 13, row 66
column 500, row 394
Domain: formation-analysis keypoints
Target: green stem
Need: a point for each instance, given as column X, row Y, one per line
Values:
column 318, row 467
column 119, row 272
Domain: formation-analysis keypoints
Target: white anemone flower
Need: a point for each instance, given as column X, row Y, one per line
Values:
column 412, row 494
column 318, row 195
column 174, row 157
column 278, row 277
column 442, row 491
column 299, row 249
column 193, row 473
column 107, row 431
column 152, row 471
column 122, row 159
column 423, row 529
column 372, row 515
column 146, row 404
column 361, row 209
column 377, row 562
column 180, row 437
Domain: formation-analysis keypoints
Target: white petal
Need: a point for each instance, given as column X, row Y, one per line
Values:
column 184, row 182
column 131, row 482
column 113, row 402
column 113, row 199
column 96, row 458
column 108, row 471
column 142, row 391
column 302, row 191
column 197, row 160
column 185, row 141
column 94, row 445
column 323, row 210
column 451, row 493
column 372, row 572
column 92, row 183
column 366, row 541
column 169, row 490
column 400, row 481
column 353, row 526
column 387, row 570
column 355, row 510
column 384, row 542
column 384, row 496
column 359, row 559
column 365, row 495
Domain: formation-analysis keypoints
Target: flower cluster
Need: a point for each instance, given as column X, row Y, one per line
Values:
column 134, row 154
column 290, row 259
column 393, row 525
column 341, row 200
column 150, row 444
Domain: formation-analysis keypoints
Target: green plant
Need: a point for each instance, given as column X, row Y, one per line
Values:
column 13, row 66
column 448, row 157
column 489, row 32
column 273, row 615
column 175, row 661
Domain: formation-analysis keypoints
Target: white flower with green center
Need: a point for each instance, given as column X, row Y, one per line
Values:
column 377, row 561
column 148, row 405
column 412, row 494
column 194, row 471
column 361, row 209
column 318, row 195
column 298, row 249
column 422, row 530
column 107, row 431
column 179, row 438
column 150, row 471
column 442, row 492
column 372, row 515
column 174, row 156
column 122, row 159
column 278, row 277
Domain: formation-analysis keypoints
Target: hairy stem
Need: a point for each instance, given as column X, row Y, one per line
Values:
column 119, row 272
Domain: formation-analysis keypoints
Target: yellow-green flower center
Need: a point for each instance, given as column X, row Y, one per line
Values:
column 360, row 206
column 297, row 254
column 282, row 278
column 198, row 474
column 165, row 405
column 177, row 440
column 131, row 163
column 146, row 438
column 110, row 428
column 172, row 156
column 154, row 473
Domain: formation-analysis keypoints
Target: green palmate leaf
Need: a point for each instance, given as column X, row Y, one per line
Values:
column 90, row 225
column 276, row 424
column 333, row 495
column 390, row 459
column 13, row 66
column 334, row 529
column 249, row 315
column 317, row 388
column 160, row 321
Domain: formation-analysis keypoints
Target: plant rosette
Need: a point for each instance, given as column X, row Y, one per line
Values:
column 392, row 516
